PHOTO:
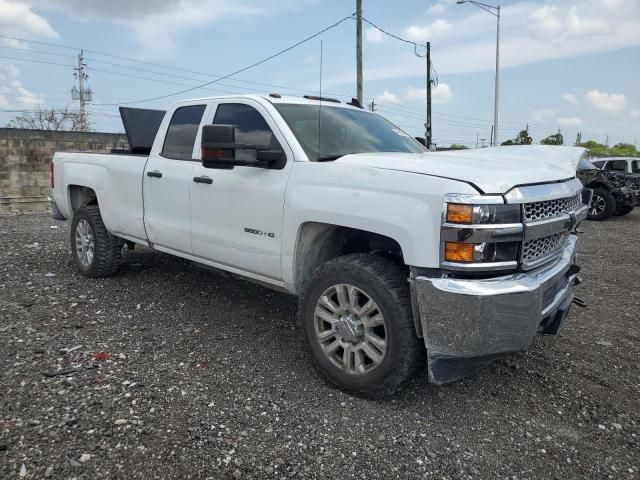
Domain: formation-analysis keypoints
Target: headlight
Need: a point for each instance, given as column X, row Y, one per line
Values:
column 459, row 252
column 480, row 232
column 482, row 214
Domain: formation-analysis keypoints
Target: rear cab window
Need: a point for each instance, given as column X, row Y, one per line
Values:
column 182, row 131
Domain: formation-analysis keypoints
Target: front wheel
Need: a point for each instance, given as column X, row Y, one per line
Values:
column 357, row 322
column 94, row 253
column 623, row 210
column 602, row 205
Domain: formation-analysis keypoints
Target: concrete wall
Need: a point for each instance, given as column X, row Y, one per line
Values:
column 25, row 162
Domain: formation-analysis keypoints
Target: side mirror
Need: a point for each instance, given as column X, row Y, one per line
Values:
column 219, row 150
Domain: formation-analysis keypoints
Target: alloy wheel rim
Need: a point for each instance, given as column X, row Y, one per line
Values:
column 350, row 329
column 597, row 206
column 85, row 243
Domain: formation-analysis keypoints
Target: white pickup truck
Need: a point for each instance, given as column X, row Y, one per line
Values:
column 398, row 255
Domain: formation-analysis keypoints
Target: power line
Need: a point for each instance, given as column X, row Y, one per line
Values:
column 415, row 45
column 37, row 61
column 168, row 67
column 244, row 69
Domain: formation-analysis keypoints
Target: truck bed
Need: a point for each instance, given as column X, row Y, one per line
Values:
column 116, row 180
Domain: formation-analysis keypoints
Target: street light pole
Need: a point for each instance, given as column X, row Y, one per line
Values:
column 497, row 86
column 495, row 11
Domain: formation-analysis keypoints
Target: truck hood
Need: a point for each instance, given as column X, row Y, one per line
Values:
column 490, row 170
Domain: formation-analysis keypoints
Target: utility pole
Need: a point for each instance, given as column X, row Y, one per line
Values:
column 83, row 95
column 497, row 94
column 428, row 126
column 495, row 11
column 359, row 50
column 372, row 105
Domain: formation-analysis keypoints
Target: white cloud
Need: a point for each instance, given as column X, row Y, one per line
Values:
column 585, row 25
column 531, row 31
column 542, row 114
column 571, row 98
column 440, row 94
column 440, row 6
column 155, row 23
column 387, row 96
column 11, row 70
column 17, row 19
column 373, row 35
column 25, row 97
column 634, row 114
column 419, row 34
column 609, row 102
column 3, row 101
column 570, row 121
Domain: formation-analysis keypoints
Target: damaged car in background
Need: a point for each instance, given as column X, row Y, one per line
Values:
column 398, row 255
column 614, row 193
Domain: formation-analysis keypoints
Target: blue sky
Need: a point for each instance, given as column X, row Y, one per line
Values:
column 571, row 65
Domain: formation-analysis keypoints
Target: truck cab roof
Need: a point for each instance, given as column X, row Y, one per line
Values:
column 274, row 98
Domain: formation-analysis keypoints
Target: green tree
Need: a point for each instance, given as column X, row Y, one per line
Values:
column 522, row 138
column 626, row 149
column 458, row 146
column 594, row 147
column 556, row 139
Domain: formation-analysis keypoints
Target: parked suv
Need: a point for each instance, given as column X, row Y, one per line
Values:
column 623, row 172
column 619, row 164
column 611, row 195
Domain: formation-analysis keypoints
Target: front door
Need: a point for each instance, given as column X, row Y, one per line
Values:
column 167, row 180
column 236, row 220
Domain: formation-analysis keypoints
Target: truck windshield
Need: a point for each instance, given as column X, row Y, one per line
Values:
column 328, row 133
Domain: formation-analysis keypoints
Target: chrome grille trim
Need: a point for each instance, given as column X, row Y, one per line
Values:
column 538, row 251
column 551, row 208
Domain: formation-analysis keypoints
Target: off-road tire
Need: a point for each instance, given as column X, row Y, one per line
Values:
column 386, row 283
column 610, row 204
column 107, row 256
column 623, row 210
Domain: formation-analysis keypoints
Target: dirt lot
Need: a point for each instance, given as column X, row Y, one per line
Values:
column 176, row 372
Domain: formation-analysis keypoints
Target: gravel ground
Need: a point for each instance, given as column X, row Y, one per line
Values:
column 171, row 371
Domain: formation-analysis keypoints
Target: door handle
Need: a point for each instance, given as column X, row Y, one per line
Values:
column 154, row 173
column 203, row 179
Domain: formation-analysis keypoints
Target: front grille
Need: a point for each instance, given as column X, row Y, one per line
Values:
column 551, row 208
column 534, row 250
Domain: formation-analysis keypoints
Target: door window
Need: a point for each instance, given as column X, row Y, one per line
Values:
column 182, row 131
column 617, row 165
column 251, row 128
column 635, row 166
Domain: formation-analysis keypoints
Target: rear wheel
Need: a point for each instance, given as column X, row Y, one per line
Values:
column 602, row 205
column 94, row 253
column 623, row 210
column 356, row 319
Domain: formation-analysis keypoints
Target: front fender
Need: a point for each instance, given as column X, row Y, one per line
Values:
column 404, row 206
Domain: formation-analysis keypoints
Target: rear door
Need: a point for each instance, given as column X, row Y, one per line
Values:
column 167, row 180
column 236, row 219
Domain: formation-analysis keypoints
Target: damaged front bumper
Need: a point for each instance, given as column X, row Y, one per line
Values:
column 468, row 323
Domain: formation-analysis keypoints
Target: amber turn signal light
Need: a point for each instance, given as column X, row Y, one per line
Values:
column 459, row 213
column 458, row 252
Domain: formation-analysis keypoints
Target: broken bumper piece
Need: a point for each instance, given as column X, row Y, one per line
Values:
column 468, row 323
